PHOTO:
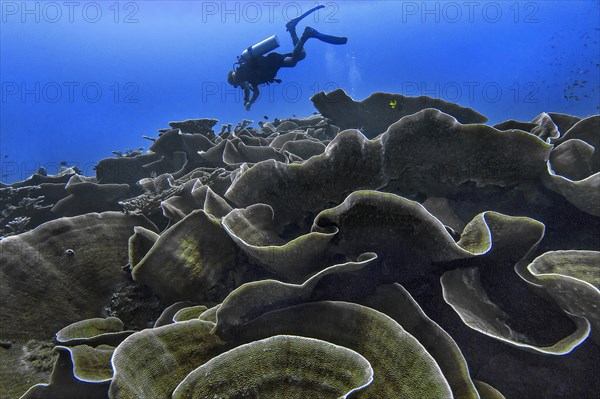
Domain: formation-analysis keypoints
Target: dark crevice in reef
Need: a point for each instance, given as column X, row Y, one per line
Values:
column 540, row 321
column 136, row 305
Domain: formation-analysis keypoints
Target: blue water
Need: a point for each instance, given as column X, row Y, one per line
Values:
column 81, row 79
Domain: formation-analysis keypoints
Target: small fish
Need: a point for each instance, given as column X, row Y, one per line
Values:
column 393, row 104
column 265, row 116
column 294, row 115
column 6, row 156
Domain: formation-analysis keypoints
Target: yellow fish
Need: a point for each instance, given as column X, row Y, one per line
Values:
column 393, row 104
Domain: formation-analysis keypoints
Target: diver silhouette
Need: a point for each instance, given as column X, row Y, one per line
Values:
column 254, row 68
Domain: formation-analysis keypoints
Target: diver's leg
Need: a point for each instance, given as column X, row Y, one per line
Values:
column 291, row 26
column 310, row 32
column 294, row 35
column 297, row 55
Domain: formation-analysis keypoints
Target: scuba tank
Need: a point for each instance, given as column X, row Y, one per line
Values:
column 260, row 48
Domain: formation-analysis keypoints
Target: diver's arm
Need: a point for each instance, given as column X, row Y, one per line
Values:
column 246, row 87
column 255, row 93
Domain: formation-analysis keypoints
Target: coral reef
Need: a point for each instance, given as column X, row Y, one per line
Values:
column 375, row 113
column 395, row 247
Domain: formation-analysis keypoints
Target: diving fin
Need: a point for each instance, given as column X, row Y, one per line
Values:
column 310, row 32
column 292, row 24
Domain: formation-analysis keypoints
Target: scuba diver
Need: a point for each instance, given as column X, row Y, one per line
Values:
column 254, row 68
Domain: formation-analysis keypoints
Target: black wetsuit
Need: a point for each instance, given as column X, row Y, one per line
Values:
column 260, row 70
